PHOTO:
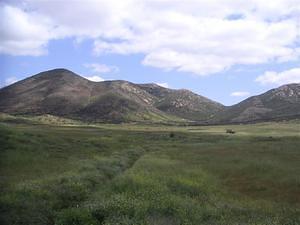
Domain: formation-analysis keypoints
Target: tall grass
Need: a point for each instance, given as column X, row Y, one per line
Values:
column 89, row 175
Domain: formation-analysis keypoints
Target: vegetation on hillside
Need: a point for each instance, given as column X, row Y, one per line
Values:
column 62, row 93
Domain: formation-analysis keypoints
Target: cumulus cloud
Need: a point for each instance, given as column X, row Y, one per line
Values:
column 165, row 85
column 279, row 78
column 240, row 94
column 22, row 33
column 94, row 78
column 101, row 68
column 197, row 36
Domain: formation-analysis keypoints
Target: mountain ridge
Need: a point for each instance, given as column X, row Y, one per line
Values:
column 61, row 92
column 282, row 102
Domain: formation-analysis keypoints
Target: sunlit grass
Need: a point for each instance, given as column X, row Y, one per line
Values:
column 138, row 174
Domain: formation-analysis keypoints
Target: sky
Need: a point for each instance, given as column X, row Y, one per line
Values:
column 226, row 50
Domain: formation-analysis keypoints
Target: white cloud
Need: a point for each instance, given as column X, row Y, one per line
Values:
column 165, row 85
column 279, row 78
column 197, row 36
column 10, row 80
column 240, row 94
column 94, row 78
column 101, row 68
column 23, row 33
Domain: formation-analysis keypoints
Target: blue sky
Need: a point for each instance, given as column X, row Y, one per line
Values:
column 225, row 51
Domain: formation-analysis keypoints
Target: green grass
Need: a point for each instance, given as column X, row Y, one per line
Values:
column 136, row 174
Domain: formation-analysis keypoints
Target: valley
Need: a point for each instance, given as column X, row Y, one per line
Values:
column 77, row 173
column 139, row 112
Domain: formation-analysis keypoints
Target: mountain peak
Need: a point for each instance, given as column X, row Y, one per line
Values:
column 59, row 70
column 278, row 103
column 56, row 73
column 289, row 89
column 61, row 92
column 59, row 77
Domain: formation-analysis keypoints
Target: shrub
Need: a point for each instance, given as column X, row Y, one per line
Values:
column 230, row 131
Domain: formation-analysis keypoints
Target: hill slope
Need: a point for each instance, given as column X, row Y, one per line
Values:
column 58, row 91
column 279, row 103
column 61, row 92
column 183, row 103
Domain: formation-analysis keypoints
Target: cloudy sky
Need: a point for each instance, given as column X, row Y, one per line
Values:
column 226, row 50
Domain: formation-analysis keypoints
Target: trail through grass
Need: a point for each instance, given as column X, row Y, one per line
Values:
column 143, row 175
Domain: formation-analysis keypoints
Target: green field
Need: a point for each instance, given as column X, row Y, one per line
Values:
column 73, row 174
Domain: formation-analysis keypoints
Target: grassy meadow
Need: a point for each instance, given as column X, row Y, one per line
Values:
column 77, row 174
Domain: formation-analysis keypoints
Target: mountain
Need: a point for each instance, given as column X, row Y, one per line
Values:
column 58, row 91
column 276, row 104
column 183, row 103
column 61, row 92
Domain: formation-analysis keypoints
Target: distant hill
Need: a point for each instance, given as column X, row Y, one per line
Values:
column 277, row 104
column 60, row 92
column 183, row 103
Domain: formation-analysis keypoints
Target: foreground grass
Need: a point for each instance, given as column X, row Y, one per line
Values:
column 131, row 174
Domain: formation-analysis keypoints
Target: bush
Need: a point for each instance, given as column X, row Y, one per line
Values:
column 230, row 131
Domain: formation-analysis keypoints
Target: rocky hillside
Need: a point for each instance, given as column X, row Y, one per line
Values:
column 183, row 103
column 61, row 92
column 276, row 104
